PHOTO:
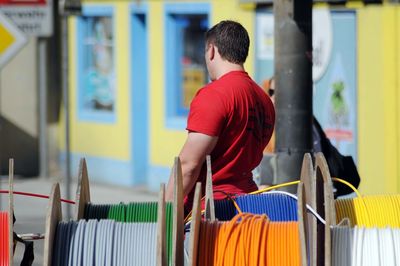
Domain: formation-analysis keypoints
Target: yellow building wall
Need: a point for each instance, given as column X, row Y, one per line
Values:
column 378, row 98
column 397, row 58
column 166, row 143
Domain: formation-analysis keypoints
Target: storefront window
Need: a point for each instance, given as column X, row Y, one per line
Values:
column 194, row 70
column 96, row 66
column 186, row 69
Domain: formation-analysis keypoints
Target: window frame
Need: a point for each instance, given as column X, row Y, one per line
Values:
column 83, row 114
column 173, row 118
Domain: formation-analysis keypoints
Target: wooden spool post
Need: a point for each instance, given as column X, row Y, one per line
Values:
column 313, row 221
column 210, row 208
column 177, row 231
column 53, row 217
column 161, row 229
column 82, row 191
column 328, row 187
column 320, row 208
column 195, row 226
column 10, row 210
column 303, row 222
column 307, row 172
column 322, row 173
column 307, row 222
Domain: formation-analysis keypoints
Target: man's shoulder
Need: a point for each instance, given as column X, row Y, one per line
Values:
column 211, row 89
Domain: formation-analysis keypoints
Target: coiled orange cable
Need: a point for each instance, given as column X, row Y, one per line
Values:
column 249, row 240
column 4, row 239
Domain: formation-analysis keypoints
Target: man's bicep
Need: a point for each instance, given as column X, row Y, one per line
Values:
column 197, row 146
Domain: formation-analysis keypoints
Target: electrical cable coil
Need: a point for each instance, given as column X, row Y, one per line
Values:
column 360, row 246
column 104, row 242
column 370, row 211
column 249, row 239
column 278, row 207
column 4, row 239
column 134, row 212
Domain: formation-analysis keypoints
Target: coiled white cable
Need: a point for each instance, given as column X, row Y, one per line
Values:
column 105, row 242
column 360, row 246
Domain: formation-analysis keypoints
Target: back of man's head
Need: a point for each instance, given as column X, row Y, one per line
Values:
column 231, row 39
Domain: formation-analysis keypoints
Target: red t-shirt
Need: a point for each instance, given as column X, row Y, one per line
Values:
column 240, row 113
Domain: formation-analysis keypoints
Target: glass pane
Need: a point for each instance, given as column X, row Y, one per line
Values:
column 98, row 64
column 193, row 67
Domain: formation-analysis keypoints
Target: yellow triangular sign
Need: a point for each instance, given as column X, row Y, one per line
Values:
column 12, row 39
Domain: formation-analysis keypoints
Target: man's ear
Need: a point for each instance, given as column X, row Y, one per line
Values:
column 211, row 52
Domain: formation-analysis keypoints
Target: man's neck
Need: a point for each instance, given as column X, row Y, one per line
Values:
column 227, row 67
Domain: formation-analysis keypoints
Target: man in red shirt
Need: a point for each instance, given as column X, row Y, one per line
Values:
column 231, row 118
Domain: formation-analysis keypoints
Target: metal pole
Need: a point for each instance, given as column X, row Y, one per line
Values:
column 293, row 81
column 64, row 75
column 43, row 145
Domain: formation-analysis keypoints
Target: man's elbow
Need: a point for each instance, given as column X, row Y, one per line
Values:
column 191, row 168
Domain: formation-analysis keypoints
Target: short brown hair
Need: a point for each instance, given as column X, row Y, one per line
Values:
column 231, row 39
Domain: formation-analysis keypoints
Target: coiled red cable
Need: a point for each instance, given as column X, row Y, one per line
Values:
column 34, row 195
column 4, row 239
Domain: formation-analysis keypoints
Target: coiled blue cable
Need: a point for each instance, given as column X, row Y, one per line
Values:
column 278, row 207
column 224, row 209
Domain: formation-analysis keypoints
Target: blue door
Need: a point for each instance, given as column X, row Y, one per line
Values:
column 139, row 95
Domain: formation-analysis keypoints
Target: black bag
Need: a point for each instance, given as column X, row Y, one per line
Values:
column 28, row 256
column 340, row 166
column 344, row 168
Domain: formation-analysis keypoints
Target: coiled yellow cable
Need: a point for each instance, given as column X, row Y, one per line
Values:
column 275, row 187
column 370, row 211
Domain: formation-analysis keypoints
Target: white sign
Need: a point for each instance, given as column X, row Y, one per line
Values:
column 265, row 36
column 322, row 41
column 12, row 40
column 34, row 20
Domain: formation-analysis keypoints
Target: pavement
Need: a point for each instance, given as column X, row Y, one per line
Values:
column 31, row 212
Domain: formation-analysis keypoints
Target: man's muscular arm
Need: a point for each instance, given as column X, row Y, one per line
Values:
column 192, row 157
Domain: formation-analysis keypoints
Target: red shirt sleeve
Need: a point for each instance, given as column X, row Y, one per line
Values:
column 206, row 113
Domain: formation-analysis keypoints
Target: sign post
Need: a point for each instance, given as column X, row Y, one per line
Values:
column 67, row 8
column 34, row 18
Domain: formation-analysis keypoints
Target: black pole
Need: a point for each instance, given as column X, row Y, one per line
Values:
column 293, row 81
column 65, row 92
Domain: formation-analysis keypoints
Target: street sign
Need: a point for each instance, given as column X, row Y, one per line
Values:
column 12, row 40
column 33, row 17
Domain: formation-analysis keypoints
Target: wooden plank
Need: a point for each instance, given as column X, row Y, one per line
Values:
column 322, row 170
column 195, row 226
column 303, row 222
column 161, row 229
column 328, row 188
column 310, row 222
column 11, row 210
column 53, row 217
column 210, row 208
column 313, row 220
column 306, row 177
column 178, row 230
column 82, row 191
column 320, row 208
